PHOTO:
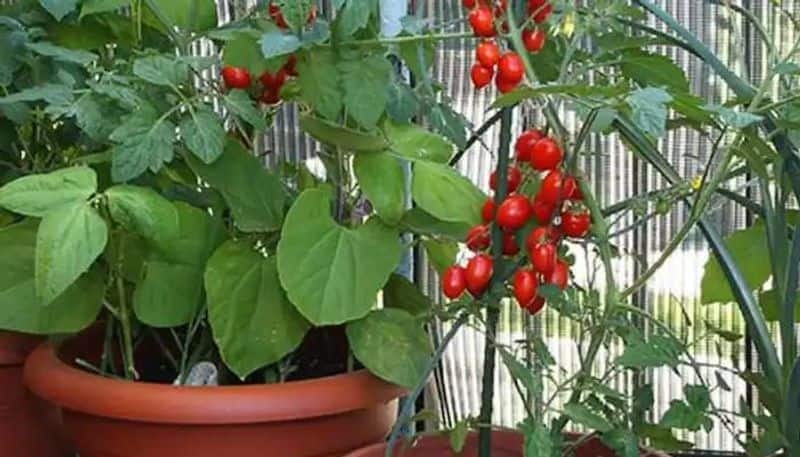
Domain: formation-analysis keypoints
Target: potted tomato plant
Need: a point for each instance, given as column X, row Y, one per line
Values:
column 230, row 308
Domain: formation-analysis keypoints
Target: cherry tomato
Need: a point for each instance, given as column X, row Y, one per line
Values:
column 543, row 257
column 514, row 213
column 482, row 22
column 479, row 273
column 571, row 184
column 510, row 246
column 536, row 306
column 576, row 223
column 525, row 143
column 267, row 79
column 236, row 77
column 555, row 188
column 468, row 4
column 479, row 238
column 547, row 155
column 526, row 286
column 534, row 39
column 514, row 179
column 540, row 10
column 271, row 96
column 481, row 76
column 488, row 54
column 454, row 282
column 488, row 210
column 504, row 86
column 543, row 211
column 543, row 234
column 510, row 68
column 560, row 275
column 291, row 65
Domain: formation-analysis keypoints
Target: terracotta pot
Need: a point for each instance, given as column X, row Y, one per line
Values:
column 111, row 418
column 505, row 443
column 27, row 425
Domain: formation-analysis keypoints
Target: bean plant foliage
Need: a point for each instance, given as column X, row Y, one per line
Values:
column 134, row 196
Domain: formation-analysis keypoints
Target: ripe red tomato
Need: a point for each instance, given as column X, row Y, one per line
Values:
column 542, row 210
column 481, row 76
column 488, row 54
column 543, row 257
column 576, row 223
column 543, row 234
column 547, row 155
column 534, row 39
column 504, row 86
column 560, row 275
column 454, row 282
column 540, row 10
column 526, row 286
column 468, row 4
column 510, row 246
column 482, row 21
column 525, row 143
column 291, row 65
column 479, row 273
column 236, row 77
column 479, row 238
column 514, row 213
column 271, row 95
column 501, row 8
column 514, row 179
column 488, row 210
column 556, row 188
column 571, row 185
column 537, row 305
column 510, row 68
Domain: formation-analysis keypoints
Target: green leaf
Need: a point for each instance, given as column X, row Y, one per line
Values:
column 445, row 194
column 145, row 141
column 733, row 118
column 97, row 116
column 691, row 414
column 144, row 212
column 400, row 293
column 538, row 441
column 531, row 382
column 441, row 253
column 244, row 51
column 663, row 439
column 364, row 80
column 657, row 351
column 422, row 223
column 171, row 291
column 339, row 282
column 392, row 345
column 770, row 303
column 413, row 142
column 254, row 324
column 747, row 247
column 54, row 94
column 458, row 435
column 319, row 83
column 410, row 53
column 347, row 139
column 278, row 43
column 402, row 103
column 295, row 12
column 161, row 70
column 69, row 239
column 649, row 107
column 188, row 15
column 449, row 123
column 383, row 181
column 59, row 8
column 20, row 310
column 46, row 49
column 102, row 6
column 240, row 104
column 654, row 70
column 203, row 134
column 353, row 17
column 576, row 90
column 35, row 195
column 255, row 195
column 582, row 415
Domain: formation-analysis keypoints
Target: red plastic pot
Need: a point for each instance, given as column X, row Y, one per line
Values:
column 505, row 443
column 112, row 418
column 27, row 425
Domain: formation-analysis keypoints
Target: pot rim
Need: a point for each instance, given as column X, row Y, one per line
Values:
column 71, row 388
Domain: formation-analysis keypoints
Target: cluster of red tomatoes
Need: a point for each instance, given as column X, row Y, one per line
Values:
column 507, row 69
column 559, row 194
column 271, row 83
